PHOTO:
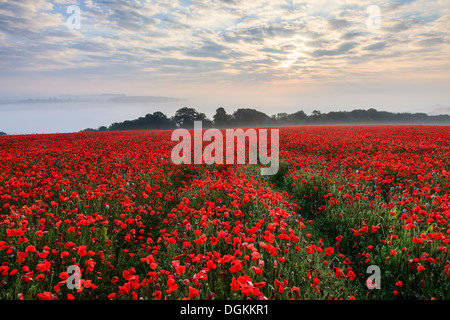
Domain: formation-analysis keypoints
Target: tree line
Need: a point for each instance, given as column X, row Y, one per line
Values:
column 245, row 117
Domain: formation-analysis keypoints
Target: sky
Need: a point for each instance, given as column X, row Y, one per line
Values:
column 129, row 58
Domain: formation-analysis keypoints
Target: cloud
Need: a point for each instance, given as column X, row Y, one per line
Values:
column 228, row 41
column 89, row 99
column 28, row 18
column 92, row 46
column 211, row 49
column 376, row 46
column 431, row 42
column 342, row 49
column 124, row 15
column 338, row 23
column 402, row 26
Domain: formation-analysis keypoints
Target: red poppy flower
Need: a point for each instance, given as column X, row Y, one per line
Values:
column 193, row 292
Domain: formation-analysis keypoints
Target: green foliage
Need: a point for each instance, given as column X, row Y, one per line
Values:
column 246, row 117
column 155, row 121
column 279, row 179
column 185, row 117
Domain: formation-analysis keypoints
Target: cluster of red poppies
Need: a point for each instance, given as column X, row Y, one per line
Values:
column 140, row 227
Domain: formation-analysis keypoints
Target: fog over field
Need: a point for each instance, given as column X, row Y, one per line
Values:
column 75, row 113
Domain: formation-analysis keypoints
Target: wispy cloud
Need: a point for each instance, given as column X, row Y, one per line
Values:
column 142, row 35
column 90, row 99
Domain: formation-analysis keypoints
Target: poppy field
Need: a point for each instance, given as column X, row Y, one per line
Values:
column 139, row 226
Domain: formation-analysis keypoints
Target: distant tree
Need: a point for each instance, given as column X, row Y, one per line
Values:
column 221, row 118
column 114, row 126
column 207, row 123
column 250, row 117
column 282, row 119
column 298, row 117
column 335, row 118
column 159, row 121
column 155, row 121
column 359, row 116
column 102, row 128
column 185, row 117
column 281, row 116
column 2, row 133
